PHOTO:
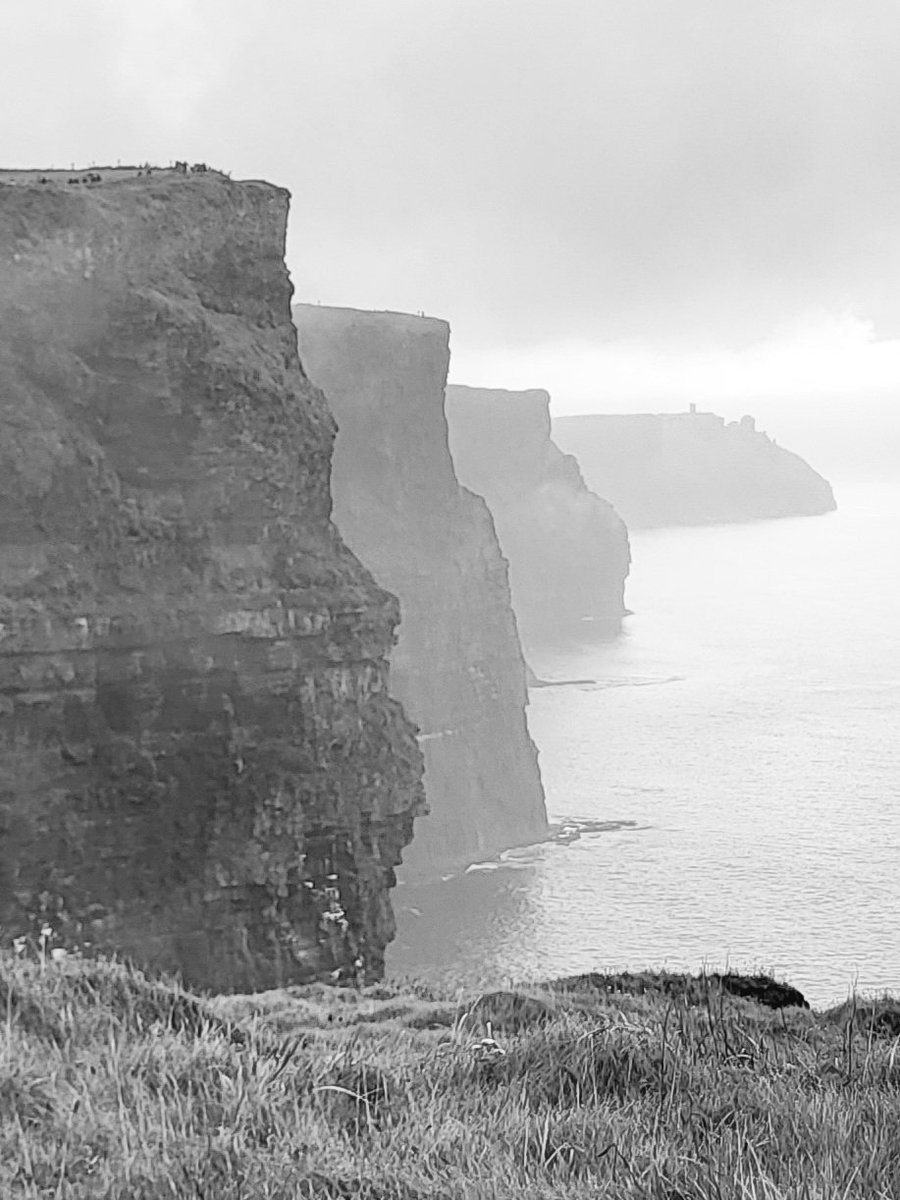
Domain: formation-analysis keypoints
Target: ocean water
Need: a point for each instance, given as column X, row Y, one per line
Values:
column 740, row 743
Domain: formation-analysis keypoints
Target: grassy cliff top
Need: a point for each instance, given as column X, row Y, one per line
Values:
column 95, row 175
column 114, row 1084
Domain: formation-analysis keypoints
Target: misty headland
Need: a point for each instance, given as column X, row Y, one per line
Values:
column 206, row 767
column 458, row 671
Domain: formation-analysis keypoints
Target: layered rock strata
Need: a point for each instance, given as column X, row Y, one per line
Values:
column 691, row 468
column 567, row 548
column 457, row 668
column 201, row 767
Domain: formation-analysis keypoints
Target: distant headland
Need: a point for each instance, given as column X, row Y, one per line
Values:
column 690, row 468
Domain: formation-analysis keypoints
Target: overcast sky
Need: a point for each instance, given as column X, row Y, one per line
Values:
column 629, row 202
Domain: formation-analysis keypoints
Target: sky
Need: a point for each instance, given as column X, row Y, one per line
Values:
column 632, row 203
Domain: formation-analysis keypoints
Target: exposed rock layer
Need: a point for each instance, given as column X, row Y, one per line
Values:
column 690, row 469
column 567, row 548
column 195, row 726
column 457, row 668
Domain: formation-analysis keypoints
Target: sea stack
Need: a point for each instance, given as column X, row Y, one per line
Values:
column 201, row 766
column 458, row 667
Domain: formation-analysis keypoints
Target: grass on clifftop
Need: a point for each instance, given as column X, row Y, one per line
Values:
column 114, row 1085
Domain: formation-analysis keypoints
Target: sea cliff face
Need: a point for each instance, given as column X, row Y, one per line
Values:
column 691, row 469
column 200, row 765
column 567, row 548
column 457, row 668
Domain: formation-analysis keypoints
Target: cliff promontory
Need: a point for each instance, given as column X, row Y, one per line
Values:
column 691, row 468
column 457, row 668
column 200, row 765
column 567, row 548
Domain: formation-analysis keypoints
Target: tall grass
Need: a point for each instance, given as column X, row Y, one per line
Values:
column 116, row 1085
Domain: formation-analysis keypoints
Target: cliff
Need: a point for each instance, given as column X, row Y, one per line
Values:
column 567, row 549
column 457, row 668
column 200, row 765
column 691, row 469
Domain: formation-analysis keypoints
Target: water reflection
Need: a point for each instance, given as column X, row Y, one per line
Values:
column 746, row 724
column 488, row 926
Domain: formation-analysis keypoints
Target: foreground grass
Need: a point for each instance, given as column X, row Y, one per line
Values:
column 113, row 1085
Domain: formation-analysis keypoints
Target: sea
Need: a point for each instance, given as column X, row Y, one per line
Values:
column 723, row 776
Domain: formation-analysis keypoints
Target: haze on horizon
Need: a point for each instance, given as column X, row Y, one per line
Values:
column 631, row 205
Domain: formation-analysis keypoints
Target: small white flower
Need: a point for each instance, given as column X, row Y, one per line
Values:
column 46, row 933
column 58, row 954
column 487, row 1050
column 19, row 945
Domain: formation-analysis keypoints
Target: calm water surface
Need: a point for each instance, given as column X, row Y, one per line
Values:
column 747, row 723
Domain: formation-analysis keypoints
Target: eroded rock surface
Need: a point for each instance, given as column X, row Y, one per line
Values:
column 457, row 668
column 200, row 764
column 691, row 468
column 567, row 548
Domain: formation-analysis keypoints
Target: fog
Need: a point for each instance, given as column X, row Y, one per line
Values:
column 630, row 205
column 820, row 390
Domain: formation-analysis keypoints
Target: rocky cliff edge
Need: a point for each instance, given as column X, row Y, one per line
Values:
column 200, row 764
column 567, row 548
column 458, row 667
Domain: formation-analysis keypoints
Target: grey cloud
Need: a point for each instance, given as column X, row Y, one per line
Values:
column 693, row 170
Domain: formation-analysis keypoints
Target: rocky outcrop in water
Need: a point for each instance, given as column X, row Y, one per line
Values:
column 691, row 469
column 200, row 764
column 457, row 668
column 567, row 548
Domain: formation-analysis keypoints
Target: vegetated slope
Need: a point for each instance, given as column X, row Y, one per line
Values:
column 457, row 667
column 629, row 1087
column 567, row 548
column 200, row 764
column 690, row 468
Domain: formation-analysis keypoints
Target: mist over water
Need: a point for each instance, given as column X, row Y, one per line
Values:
column 746, row 722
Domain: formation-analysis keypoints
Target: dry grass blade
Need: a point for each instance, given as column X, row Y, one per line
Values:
column 115, row 1085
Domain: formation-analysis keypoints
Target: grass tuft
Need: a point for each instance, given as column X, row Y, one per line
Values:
column 115, row 1084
